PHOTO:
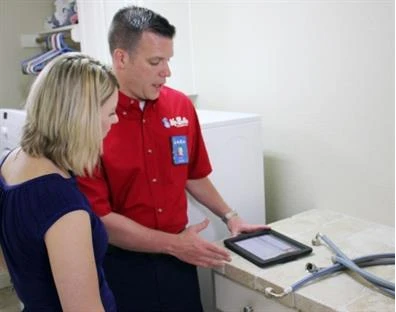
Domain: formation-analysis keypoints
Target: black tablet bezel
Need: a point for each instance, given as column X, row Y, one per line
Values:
column 285, row 257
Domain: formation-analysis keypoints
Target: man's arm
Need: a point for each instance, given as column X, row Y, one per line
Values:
column 188, row 246
column 205, row 193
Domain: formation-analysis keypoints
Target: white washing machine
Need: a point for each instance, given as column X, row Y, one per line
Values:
column 11, row 123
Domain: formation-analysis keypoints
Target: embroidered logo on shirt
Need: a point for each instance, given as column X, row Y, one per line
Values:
column 166, row 123
column 177, row 122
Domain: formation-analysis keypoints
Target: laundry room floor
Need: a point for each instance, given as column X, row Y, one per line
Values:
column 9, row 300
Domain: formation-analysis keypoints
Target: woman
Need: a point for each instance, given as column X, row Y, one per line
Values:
column 52, row 242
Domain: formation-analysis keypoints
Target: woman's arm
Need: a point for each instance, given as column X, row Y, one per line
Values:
column 70, row 251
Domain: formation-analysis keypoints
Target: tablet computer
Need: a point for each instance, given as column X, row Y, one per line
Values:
column 267, row 247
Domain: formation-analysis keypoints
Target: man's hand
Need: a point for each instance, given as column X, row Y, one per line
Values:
column 237, row 225
column 191, row 248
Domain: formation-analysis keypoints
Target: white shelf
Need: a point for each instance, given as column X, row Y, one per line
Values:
column 74, row 31
column 29, row 40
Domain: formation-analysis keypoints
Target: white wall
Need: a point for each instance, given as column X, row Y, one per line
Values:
column 321, row 74
column 18, row 17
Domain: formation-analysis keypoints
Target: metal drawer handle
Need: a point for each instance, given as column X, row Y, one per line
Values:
column 248, row 309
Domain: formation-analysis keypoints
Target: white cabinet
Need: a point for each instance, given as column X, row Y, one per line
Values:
column 233, row 297
column 95, row 18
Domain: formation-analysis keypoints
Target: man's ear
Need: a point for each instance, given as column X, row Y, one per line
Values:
column 120, row 58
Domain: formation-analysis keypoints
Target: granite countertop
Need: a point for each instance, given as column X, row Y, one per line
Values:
column 344, row 291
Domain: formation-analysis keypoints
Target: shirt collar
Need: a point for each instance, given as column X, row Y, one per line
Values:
column 127, row 102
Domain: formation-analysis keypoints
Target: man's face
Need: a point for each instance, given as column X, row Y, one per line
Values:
column 145, row 70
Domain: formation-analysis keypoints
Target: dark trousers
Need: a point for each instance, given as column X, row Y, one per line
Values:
column 145, row 282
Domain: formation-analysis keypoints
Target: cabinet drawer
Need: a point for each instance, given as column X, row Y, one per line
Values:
column 232, row 297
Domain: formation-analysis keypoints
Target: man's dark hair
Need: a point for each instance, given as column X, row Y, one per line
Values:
column 129, row 23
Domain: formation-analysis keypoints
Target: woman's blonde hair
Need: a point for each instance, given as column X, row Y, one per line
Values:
column 63, row 120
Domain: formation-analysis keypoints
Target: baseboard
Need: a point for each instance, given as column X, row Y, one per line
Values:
column 4, row 280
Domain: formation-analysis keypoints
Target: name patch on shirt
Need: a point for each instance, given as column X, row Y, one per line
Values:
column 177, row 122
column 179, row 149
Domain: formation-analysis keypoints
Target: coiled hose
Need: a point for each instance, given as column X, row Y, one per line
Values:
column 342, row 262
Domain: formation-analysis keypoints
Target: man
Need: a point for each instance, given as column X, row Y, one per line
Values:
column 150, row 158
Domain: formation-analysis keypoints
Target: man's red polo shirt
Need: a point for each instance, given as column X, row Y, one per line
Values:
column 138, row 177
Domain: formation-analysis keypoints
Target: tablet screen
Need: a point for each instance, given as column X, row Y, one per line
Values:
column 266, row 246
